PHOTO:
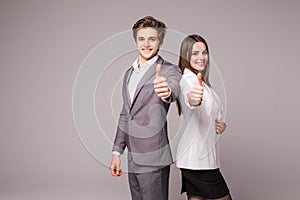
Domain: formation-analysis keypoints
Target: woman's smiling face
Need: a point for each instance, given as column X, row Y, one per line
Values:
column 199, row 57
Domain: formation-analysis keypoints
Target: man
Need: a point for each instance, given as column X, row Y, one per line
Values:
column 149, row 86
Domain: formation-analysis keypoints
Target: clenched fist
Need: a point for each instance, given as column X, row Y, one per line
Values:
column 115, row 166
column 220, row 126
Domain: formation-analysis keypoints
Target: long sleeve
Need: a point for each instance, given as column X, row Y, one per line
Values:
column 120, row 141
column 121, row 134
column 173, row 79
column 186, row 84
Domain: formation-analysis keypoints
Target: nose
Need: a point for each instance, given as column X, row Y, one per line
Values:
column 200, row 56
column 147, row 44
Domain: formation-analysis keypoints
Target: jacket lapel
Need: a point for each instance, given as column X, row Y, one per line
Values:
column 127, row 99
column 148, row 75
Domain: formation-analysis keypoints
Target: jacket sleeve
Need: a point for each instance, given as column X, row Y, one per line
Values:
column 173, row 78
column 122, row 128
column 121, row 133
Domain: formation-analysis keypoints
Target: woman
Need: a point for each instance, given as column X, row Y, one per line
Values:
column 197, row 153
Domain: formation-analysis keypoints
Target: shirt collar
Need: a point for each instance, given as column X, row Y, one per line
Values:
column 148, row 63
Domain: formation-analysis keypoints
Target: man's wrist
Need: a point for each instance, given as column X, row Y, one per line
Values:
column 170, row 92
column 116, row 153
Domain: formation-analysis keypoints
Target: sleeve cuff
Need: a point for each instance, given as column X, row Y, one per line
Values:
column 166, row 99
column 116, row 153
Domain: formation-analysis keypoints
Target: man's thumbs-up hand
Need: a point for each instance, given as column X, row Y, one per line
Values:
column 161, row 86
column 158, row 70
column 196, row 95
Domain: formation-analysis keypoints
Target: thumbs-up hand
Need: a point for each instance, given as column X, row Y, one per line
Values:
column 161, row 86
column 196, row 95
column 158, row 70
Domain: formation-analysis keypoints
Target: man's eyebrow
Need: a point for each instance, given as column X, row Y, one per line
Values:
column 142, row 37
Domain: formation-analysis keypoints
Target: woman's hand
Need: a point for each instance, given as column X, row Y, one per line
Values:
column 196, row 95
column 220, row 126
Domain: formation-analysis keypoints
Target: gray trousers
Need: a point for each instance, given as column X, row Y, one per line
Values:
column 150, row 185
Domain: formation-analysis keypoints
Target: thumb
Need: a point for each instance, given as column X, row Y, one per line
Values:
column 118, row 169
column 199, row 76
column 158, row 70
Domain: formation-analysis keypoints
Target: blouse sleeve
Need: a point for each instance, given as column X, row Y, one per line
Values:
column 187, row 82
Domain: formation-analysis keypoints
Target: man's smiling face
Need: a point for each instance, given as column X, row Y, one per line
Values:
column 147, row 43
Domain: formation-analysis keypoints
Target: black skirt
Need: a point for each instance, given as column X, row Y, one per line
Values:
column 205, row 183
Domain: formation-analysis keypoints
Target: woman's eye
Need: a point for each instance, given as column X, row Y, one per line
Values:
column 204, row 53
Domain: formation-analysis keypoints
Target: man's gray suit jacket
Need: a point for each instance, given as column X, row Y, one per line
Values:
column 142, row 125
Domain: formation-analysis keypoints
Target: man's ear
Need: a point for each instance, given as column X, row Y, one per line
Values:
column 160, row 44
column 135, row 43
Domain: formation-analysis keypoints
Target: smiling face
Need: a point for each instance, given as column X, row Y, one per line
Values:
column 147, row 44
column 199, row 56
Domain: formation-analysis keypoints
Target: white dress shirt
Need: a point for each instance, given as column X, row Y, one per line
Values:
column 137, row 74
column 198, row 147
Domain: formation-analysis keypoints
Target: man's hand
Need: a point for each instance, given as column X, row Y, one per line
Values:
column 220, row 126
column 115, row 166
column 161, row 86
column 196, row 95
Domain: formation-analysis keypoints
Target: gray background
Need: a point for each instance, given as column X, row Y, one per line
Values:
column 43, row 44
